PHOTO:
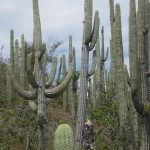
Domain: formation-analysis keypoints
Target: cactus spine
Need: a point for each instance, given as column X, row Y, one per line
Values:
column 40, row 91
column 64, row 138
column 88, row 43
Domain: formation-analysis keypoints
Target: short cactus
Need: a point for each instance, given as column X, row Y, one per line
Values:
column 64, row 138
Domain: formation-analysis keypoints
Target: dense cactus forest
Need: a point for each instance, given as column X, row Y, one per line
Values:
column 47, row 104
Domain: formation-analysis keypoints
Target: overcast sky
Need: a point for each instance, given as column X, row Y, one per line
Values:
column 59, row 19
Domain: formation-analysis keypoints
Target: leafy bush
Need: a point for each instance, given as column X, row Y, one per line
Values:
column 106, row 122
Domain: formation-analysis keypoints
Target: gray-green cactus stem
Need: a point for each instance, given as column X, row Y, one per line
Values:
column 90, row 34
column 42, row 52
column 88, row 43
column 95, row 31
column 64, row 66
column 88, row 20
column 37, row 36
column 112, row 16
column 21, row 92
column 118, row 36
column 103, row 47
column 132, row 42
column 98, row 72
column 22, row 62
column 52, row 73
column 51, row 93
column 12, row 48
column 93, row 67
column 74, row 58
column 141, row 108
column 31, row 77
column 8, row 87
column 16, row 60
column 59, row 71
column 64, row 75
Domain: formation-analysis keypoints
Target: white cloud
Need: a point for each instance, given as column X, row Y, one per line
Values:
column 59, row 18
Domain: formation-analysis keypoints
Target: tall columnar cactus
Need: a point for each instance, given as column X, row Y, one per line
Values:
column 64, row 75
column 121, row 84
column 139, row 65
column 12, row 48
column 12, row 57
column 59, row 71
column 112, row 48
column 97, row 76
column 88, row 43
column 70, row 88
column 95, row 90
column 16, row 60
column 103, row 60
column 8, row 88
column 36, row 76
column 64, row 138
column 22, row 62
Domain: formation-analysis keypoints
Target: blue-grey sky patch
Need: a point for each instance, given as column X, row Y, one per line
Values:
column 59, row 19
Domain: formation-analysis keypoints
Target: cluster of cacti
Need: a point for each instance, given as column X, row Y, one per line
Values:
column 64, row 138
column 131, row 92
column 88, row 43
column 139, row 36
column 34, row 64
column 119, row 79
column 68, row 95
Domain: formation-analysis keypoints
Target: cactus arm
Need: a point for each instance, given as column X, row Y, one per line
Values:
column 95, row 31
column 112, row 16
column 127, row 74
column 141, row 107
column 74, row 58
column 37, row 35
column 64, row 66
column 93, row 64
column 88, row 20
column 43, row 49
column 103, row 47
column 21, row 92
column 12, row 47
column 106, row 57
column 59, row 71
column 31, row 77
column 52, row 73
column 137, row 104
column 51, row 93
column 33, row 106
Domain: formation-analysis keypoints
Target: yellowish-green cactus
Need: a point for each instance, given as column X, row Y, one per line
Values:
column 64, row 138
